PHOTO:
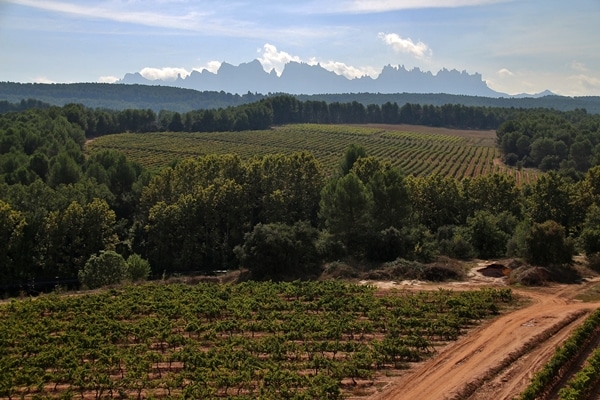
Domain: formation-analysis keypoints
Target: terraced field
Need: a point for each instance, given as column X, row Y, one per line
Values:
column 416, row 150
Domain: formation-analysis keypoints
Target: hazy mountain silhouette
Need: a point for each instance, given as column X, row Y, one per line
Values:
column 301, row 78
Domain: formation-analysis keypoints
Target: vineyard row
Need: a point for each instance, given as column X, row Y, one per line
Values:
column 415, row 153
column 267, row 340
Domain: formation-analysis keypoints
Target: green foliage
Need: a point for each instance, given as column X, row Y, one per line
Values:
column 457, row 154
column 106, row 268
column 517, row 244
column 583, row 382
column 353, row 153
column 387, row 245
column 551, row 140
column 391, row 202
column 546, row 245
column 276, row 250
column 495, row 193
column 263, row 337
column 12, row 230
column 565, row 354
column 345, row 207
column 198, row 211
column 489, row 233
column 138, row 269
column 551, row 198
column 437, row 201
column 71, row 236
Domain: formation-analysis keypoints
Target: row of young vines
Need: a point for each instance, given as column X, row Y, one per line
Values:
column 546, row 378
column 298, row 340
column 459, row 154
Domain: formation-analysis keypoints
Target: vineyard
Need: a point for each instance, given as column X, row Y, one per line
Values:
column 416, row 150
column 579, row 386
column 299, row 340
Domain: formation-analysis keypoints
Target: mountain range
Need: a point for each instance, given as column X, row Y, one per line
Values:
column 301, row 78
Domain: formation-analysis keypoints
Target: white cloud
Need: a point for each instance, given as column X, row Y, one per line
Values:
column 190, row 20
column 108, row 79
column 165, row 73
column 401, row 45
column 274, row 59
column 348, row 71
column 504, row 72
column 42, row 79
column 212, row 66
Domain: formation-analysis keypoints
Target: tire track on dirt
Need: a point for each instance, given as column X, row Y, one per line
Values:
column 512, row 346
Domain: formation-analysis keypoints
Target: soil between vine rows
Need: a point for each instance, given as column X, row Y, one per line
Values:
column 497, row 359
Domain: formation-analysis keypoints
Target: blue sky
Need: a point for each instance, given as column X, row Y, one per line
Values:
column 517, row 45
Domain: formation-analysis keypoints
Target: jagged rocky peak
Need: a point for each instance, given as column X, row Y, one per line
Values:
column 303, row 78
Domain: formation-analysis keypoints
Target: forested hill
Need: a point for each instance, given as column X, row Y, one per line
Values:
column 156, row 98
column 122, row 97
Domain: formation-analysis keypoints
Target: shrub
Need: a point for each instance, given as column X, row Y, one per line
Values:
column 593, row 261
column 387, row 245
column 138, row 269
column 106, row 268
column 546, row 245
column 278, row 250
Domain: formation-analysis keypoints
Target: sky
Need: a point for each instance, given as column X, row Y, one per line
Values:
column 519, row 46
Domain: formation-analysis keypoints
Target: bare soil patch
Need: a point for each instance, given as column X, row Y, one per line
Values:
column 497, row 359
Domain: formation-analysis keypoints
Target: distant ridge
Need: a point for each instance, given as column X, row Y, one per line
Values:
column 122, row 96
column 300, row 78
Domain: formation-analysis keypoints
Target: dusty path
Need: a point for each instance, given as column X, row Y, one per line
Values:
column 496, row 360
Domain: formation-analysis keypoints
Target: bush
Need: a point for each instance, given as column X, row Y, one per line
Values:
column 593, row 261
column 488, row 233
column 546, row 245
column 106, row 268
column 456, row 247
column 278, row 250
column 329, row 247
column 387, row 245
column 138, row 269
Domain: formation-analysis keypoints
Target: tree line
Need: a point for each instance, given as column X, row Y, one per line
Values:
column 550, row 140
column 269, row 111
column 275, row 215
column 156, row 98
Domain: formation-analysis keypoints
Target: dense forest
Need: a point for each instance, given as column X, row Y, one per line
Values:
column 156, row 98
column 62, row 211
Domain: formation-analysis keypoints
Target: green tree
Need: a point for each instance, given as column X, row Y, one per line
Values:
column 486, row 234
column 437, row 201
column 106, row 268
column 494, row 193
column 550, row 198
column 12, row 227
column 278, row 250
column 388, row 186
column 353, row 153
column 63, row 170
column 175, row 235
column 138, row 269
column 346, row 208
column 73, row 235
column 546, row 245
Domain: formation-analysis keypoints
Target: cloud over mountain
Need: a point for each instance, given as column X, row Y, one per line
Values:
column 304, row 78
column 401, row 45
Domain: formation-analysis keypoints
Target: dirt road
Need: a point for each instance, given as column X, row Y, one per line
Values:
column 496, row 360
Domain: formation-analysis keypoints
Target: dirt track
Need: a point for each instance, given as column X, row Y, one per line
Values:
column 496, row 360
